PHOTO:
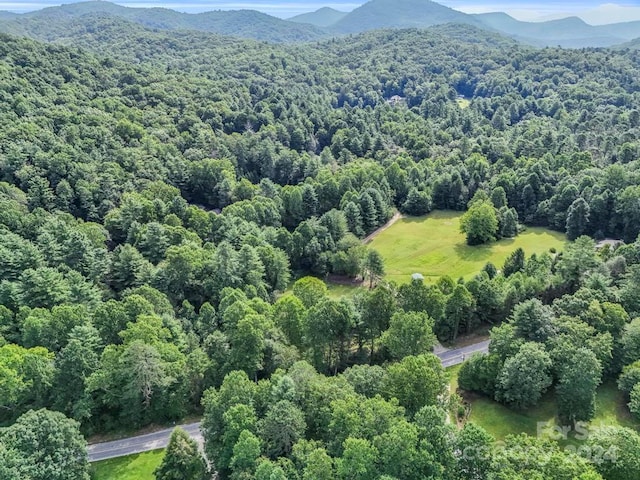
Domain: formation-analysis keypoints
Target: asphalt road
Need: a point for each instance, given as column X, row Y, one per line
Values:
column 160, row 439
column 139, row 444
column 450, row 358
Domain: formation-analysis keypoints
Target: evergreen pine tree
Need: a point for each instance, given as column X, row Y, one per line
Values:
column 182, row 460
column 577, row 219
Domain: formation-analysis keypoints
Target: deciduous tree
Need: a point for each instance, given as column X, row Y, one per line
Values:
column 416, row 381
column 525, row 377
column 46, row 446
column 480, row 223
column 409, row 334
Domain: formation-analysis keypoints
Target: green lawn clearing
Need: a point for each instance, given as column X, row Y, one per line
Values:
column 434, row 246
column 611, row 408
column 501, row 421
column 132, row 467
column 337, row 291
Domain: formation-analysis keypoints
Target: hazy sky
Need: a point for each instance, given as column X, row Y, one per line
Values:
column 592, row 11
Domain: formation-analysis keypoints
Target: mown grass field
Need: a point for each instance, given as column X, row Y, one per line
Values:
column 434, row 246
column 133, row 467
column 337, row 291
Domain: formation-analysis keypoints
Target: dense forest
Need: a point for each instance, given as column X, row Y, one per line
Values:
column 170, row 202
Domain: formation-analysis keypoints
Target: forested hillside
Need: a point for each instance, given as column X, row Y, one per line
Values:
column 55, row 23
column 377, row 14
column 49, row 23
column 161, row 191
column 322, row 18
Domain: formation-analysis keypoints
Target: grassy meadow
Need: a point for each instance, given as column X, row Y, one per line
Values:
column 132, row 467
column 501, row 421
column 337, row 291
column 434, row 246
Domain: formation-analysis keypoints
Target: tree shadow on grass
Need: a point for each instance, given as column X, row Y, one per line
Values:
column 485, row 252
column 445, row 215
column 476, row 253
column 415, row 219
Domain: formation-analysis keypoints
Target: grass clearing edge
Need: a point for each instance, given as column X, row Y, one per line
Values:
column 132, row 467
column 433, row 246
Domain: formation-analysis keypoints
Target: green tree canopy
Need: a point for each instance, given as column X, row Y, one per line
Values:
column 182, row 459
column 480, row 223
column 46, row 445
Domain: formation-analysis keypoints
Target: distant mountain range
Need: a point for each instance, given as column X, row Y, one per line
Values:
column 47, row 23
column 323, row 18
column 377, row 14
column 52, row 23
column 571, row 32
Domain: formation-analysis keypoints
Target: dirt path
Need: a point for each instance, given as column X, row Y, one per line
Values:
column 397, row 216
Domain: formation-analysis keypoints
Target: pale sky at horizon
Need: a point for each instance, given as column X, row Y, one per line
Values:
column 591, row 11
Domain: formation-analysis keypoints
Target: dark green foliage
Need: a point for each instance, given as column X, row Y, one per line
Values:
column 499, row 197
column 182, row 459
column 480, row 374
column 533, row 321
column 376, row 308
column 417, row 203
column 629, row 378
column 480, row 223
column 373, row 267
column 490, row 270
column 514, row 263
column 473, row 443
column 577, row 261
column 353, row 215
column 228, row 412
column 75, row 363
column 524, row 377
column 576, row 389
column 282, row 426
column 577, row 219
column 508, row 222
column 457, row 315
column 366, row 380
column 328, row 328
column 631, row 342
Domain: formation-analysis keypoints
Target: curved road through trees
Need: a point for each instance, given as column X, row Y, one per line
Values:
column 160, row 439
